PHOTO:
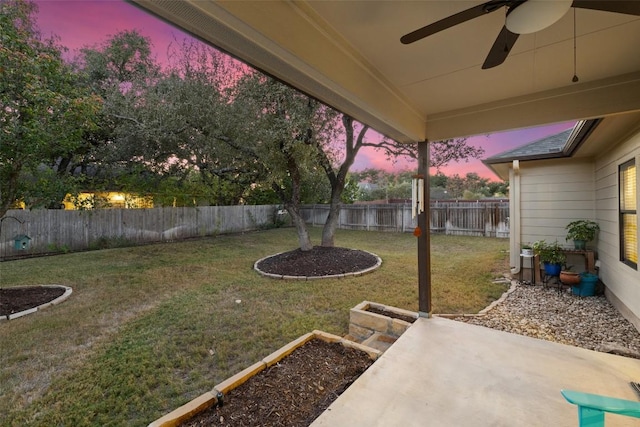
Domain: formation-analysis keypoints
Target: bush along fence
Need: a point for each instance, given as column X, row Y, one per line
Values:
column 489, row 219
column 24, row 232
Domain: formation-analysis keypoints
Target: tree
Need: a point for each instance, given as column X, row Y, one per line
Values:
column 44, row 112
column 122, row 71
column 291, row 123
column 279, row 131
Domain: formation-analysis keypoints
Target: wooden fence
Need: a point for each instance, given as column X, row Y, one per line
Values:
column 490, row 219
column 62, row 230
column 67, row 230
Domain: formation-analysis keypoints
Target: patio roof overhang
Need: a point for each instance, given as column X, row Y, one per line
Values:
column 349, row 55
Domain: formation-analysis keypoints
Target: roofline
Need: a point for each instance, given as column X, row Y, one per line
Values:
column 581, row 132
column 578, row 136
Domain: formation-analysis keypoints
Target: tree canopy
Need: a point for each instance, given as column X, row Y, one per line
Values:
column 44, row 112
column 205, row 129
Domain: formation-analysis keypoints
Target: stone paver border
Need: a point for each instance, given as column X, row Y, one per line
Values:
column 328, row 276
column 363, row 323
column 64, row 296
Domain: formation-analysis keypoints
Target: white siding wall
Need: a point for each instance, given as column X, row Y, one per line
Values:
column 552, row 194
column 622, row 281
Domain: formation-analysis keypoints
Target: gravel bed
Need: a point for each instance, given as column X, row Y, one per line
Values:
column 588, row 322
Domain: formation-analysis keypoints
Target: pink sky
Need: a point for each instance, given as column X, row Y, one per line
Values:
column 81, row 23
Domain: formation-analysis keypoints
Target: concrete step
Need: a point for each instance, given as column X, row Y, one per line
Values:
column 379, row 341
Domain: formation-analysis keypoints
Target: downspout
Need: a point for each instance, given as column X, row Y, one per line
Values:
column 514, row 217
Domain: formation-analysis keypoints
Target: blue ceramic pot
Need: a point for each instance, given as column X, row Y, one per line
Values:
column 552, row 269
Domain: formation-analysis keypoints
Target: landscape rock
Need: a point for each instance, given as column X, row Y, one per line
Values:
column 539, row 312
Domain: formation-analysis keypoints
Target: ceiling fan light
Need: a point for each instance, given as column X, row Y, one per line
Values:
column 536, row 15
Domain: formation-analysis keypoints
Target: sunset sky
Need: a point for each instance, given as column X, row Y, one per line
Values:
column 81, row 23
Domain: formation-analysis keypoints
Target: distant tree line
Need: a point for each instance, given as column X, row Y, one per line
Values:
column 377, row 184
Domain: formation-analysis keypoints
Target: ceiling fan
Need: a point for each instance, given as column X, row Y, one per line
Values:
column 522, row 17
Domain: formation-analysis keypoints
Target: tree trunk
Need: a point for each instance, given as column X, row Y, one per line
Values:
column 338, row 180
column 331, row 224
column 292, row 204
column 303, row 234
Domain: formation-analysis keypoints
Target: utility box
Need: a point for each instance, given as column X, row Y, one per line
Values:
column 21, row 242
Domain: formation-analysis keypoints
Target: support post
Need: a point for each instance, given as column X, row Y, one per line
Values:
column 424, row 239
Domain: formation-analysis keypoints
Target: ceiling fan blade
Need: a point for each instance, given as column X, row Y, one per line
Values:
column 454, row 20
column 629, row 7
column 500, row 49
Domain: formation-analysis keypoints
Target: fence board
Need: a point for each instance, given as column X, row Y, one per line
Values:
column 455, row 218
column 61, row 230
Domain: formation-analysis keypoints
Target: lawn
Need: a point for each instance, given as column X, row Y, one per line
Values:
column 149, row 328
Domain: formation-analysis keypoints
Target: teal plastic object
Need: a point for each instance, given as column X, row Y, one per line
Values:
column 21, row 242
column 587, row 286
column 592, row 407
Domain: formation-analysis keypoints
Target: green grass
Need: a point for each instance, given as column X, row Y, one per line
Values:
column 149, row 328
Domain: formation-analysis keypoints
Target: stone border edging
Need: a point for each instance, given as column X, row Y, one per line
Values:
column 485, row 310
column 328, row 276
column 363, row 323
column 58, row 300
column 210, row 398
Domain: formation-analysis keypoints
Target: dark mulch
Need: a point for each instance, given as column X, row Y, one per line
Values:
column 320, row 261
column 293, row 392
column 15, row 300
column 391, row 314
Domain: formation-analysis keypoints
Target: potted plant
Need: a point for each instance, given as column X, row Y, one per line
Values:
column 582, row 231
column 527, row 249
column 569, row 277
column 551, row 255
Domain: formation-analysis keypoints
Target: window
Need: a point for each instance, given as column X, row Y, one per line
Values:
column 628, row 214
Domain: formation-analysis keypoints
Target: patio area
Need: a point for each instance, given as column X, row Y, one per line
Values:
column 447, row 373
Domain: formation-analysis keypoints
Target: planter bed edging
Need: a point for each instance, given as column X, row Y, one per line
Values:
column 328, row 276
column 208, row 399
column 64, row 296
column 363, row 324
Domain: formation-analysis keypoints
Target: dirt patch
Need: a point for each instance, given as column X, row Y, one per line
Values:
column 293, row 392
column 15, row 300
column 319, row 261
column 391, row 314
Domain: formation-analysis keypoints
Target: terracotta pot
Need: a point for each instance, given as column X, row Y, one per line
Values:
column 569, row 277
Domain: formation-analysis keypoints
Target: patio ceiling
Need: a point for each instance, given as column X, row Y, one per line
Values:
column 348, row 54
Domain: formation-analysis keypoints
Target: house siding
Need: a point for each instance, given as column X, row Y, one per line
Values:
column 622, row 281
column 552, row 194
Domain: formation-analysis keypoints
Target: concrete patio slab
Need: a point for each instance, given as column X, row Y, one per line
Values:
column 447, row 373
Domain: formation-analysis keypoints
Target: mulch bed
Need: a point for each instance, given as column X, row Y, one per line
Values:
column 15, row 300
column 319, row 261
column 391, row 314
column 293, row 392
